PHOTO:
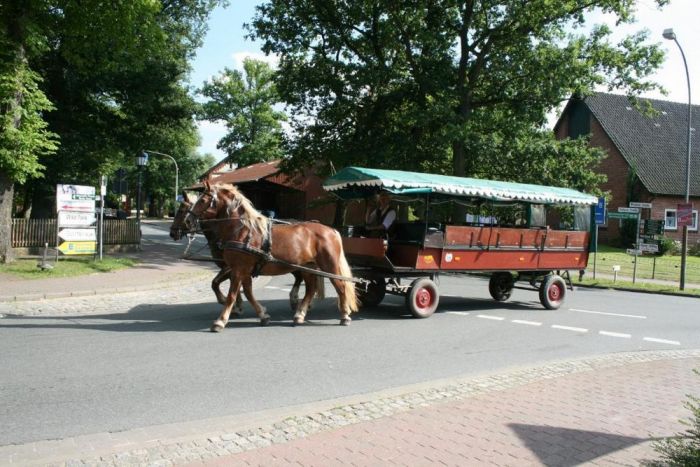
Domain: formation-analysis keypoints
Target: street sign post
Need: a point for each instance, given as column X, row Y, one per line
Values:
column 77, row 248
column 623, row 214
column 75, row 205
column 600, row 211
column 77, row 235
column 623, row 209
column 637, row 204
column 653, row 226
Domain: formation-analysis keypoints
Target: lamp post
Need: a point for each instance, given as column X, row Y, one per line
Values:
column 670, row 35
column 177, row 170
column 141, row 161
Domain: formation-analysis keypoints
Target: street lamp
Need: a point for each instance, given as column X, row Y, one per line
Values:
column 177, row 170
column 141, row 161
column 670, row 35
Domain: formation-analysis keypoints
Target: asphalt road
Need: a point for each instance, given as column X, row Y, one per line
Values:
column 142, row 362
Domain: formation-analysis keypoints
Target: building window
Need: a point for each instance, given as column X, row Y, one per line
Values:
column 671, row 223
column 670, row 220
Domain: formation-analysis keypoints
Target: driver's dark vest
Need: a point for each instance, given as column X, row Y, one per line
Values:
column 391, row 231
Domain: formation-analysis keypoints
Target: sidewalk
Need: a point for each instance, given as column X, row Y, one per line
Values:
column 159, row 266
column 603, row 410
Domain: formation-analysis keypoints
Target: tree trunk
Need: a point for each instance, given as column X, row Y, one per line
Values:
column 6, row 196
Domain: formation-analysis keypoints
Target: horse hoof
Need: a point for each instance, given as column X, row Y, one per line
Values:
column 345, row 322
column 298, row 321
column 216, row 328
column 265, row 321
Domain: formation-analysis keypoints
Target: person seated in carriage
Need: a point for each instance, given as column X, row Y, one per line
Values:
column 381, row 219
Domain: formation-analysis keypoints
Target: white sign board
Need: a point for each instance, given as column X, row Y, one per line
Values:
column 632, row 251
column 75, row 219
column 636, row 204
column 627, row 209
column 78, row 234
column 75, row 198
column 650, row 247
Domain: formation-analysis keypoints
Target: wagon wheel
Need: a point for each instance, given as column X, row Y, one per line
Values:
column 501, row 286
column 552, row 291
column 374, row 294
column 422, row 298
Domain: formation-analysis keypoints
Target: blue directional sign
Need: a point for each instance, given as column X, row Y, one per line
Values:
column 600, row 211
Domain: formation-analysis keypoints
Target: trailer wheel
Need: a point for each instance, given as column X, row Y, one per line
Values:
column 374, row 294
column 552, row 291
column 501, row 286
column 422, row 298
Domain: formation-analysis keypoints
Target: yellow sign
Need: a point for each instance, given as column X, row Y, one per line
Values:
column 78, row 248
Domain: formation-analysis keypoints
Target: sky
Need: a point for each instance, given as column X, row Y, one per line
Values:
column 225, row 45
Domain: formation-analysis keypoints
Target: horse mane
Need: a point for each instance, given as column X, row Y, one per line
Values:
column 252, row 219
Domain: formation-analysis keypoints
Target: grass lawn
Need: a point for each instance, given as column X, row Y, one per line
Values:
column 65, row 267
column 648, row 267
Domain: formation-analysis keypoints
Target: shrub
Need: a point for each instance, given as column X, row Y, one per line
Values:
column 668, row 246
column 684, row 448
column 628, row 233
column 694, row 249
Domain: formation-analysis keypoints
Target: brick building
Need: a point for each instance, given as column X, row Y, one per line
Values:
column 646, row 155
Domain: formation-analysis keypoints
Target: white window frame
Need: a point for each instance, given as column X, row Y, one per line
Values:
column 692, row 228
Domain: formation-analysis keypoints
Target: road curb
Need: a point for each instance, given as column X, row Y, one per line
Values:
column 260, row 281
column 224, row 436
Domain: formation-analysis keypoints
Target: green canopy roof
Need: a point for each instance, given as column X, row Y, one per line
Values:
column 351, row 181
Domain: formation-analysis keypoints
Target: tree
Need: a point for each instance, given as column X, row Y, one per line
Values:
column 24, row 136
column 245, row 103
column 426, row 83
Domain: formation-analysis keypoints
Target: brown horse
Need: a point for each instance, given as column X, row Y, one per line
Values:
column 178, row 229
column 245, row 232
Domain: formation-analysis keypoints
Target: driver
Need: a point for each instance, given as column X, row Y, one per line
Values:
column 381, row 220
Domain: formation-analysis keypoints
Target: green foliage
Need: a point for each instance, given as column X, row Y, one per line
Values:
column 683, row 450
column 445, row 86
column 667, row 246
column 23, row 133
column 628, row 233
column 244, row 102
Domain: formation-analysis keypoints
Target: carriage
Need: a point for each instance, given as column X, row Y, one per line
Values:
column 505, row 233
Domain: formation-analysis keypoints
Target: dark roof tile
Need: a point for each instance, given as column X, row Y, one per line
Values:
column 656, row 146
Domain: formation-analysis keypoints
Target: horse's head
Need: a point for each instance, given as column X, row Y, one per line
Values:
column 177, row 228
column 205, row 207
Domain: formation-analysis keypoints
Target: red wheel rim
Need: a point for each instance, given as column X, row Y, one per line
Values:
column 424, row 298
column 555, row 292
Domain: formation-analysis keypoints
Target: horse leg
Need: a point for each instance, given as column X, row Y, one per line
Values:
column 339, row 286
column 220, row 324
column 216, row 287
column 221, row 276
column 259, row 309
column 310, row 291
column 335, row 262
column 294, row 293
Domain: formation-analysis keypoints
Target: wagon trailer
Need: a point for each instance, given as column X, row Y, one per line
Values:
column 504, row 234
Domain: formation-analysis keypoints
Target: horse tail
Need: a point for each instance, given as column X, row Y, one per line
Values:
column 350, row 295
column 320, row 288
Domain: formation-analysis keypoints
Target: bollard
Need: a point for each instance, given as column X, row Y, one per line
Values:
column 616, row 268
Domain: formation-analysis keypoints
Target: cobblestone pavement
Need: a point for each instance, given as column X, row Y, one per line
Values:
column 596, row 411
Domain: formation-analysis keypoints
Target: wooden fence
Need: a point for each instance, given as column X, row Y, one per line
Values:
column 27, row 233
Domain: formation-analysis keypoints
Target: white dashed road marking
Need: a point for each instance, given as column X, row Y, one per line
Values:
column 608, row 314
column 528, row 323
column 661, row 341
column 460, row 313
column 495, row 318
column 615, row 334
column 569, row 328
